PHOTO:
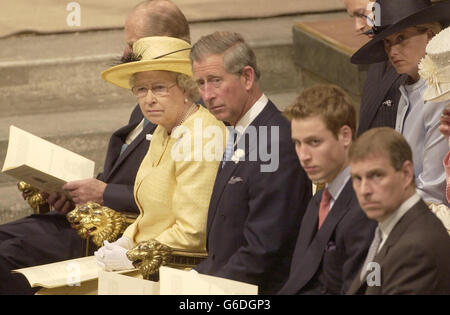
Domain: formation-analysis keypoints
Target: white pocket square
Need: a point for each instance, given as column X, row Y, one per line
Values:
column 234, row 180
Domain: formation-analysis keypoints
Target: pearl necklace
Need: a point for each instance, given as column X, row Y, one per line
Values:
column 187, row 114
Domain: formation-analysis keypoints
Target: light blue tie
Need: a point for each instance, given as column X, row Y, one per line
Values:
column 125, row 146
column 229, row 148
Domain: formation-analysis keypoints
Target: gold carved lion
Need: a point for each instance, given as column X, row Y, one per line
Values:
column 148, row 256
column 98, row 222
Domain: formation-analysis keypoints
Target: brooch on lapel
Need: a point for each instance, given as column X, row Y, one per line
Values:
column 148, row 136
column 238, row 154
column 234, row 180
column 387, row 103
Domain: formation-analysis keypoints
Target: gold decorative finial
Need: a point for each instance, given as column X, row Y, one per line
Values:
column 33, row 197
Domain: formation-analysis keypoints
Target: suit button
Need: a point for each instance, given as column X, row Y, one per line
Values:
column 222, row 216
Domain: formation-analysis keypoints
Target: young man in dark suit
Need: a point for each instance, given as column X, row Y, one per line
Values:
column 260, row 192
column 410, row 251
column 47, row 238
column 381, row 92
column 335, row 235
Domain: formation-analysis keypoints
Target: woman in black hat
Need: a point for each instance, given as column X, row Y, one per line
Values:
column 401, row 33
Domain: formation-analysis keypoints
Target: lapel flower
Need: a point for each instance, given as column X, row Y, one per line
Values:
column 238, row 154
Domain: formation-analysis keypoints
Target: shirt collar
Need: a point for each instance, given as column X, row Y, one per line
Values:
column 387, row 225
column 251, row 114
column 336, row 186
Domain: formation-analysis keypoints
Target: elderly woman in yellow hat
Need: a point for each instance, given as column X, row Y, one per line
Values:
column 175, row 180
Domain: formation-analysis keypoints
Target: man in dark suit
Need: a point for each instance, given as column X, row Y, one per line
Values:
column 381, row 92
column 260, row 192
column 410, row 251
column 42, row 239
column 335, row 234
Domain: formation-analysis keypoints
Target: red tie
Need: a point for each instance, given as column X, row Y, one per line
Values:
column 324, row 206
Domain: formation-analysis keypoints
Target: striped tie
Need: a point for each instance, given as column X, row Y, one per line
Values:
column 229, row 149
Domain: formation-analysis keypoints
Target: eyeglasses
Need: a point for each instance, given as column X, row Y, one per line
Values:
column 158, row 90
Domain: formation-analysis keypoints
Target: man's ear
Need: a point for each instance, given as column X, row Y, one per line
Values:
column 408, row 172
column 248, row 77
column 345, row 136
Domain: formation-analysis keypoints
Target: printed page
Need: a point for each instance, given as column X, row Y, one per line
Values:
column 111, row 283
column 180, row 282
column 64, row 273
column 41, row 163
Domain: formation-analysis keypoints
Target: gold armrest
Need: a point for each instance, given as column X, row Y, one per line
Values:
column 97, row 223
column 148, row 256
column 34, row 198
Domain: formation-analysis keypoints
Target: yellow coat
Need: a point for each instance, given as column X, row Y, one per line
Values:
column 175, row 180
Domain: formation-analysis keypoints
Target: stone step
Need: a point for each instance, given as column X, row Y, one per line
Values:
column 61, row 73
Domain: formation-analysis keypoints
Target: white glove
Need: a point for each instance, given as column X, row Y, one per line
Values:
column 113, row 256
column 114, row 259
column 124, row 242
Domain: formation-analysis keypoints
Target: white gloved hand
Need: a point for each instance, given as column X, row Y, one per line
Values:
column 113, row 259
column 113, row 255
column 124, row 242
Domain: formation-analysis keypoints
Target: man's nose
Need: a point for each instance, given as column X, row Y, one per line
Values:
column 303, row 154
column 366, row 187
column 360, row 24
column 208, row 92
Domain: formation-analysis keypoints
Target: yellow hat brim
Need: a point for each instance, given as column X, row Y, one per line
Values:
column 120, row 75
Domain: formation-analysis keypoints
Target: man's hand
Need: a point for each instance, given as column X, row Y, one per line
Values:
column 59, row 202
column 86, row 190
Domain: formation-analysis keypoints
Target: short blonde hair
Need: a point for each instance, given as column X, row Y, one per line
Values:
column 435, row 27
column 330, row 102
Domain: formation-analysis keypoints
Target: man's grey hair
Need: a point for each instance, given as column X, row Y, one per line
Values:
column 237, row 54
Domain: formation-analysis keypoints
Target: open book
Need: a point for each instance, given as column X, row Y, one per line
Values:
column 42, row 164
column 71, row 272
column 82, row 273
column 64, row 273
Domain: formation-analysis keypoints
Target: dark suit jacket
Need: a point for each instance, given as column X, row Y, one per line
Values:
column 254, row 216
column 415, row 258
column 120, row 170
column 382, row 83
column 325, row 261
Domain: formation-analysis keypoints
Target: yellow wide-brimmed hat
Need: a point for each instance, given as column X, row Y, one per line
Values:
column 155, row 53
